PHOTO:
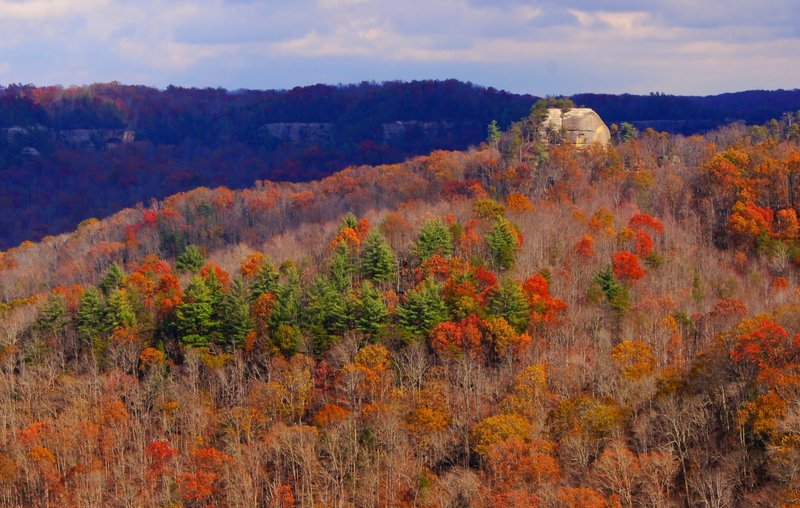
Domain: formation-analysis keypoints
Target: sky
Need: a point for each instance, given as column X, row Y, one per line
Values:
column 548, row 47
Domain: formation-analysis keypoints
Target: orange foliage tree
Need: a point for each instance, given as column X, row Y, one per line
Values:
column 626, row 267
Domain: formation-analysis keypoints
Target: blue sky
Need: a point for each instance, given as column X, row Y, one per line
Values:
column 539, row 47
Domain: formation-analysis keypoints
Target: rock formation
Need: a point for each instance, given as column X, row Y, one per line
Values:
column 96, row 138
column 299, row 131
column 579, row 126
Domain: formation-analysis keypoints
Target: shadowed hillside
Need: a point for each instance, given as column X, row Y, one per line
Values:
column 69, row 154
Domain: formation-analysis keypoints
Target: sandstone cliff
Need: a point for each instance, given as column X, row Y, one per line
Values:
column 579, row 126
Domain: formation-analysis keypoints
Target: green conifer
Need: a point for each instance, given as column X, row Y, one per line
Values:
column 90, row 319
column 341, row 269
column 369, row 310
column 265, row 281
column 434, row 238
column 509, row 302
column 118, row 312
column 51, row 319
column 194, row 317
column 502, row 243
column 377, row 259
column 325, row 313
column 235, row 321
column 191, row 260
column 423, row 309
column 112, row 279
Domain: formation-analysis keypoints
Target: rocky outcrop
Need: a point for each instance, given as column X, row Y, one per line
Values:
column 397, row 130
column 317, row 132
column 17, row 134
column 298, row 131
column 77, row 138
column 96, row 138
column 579, row 126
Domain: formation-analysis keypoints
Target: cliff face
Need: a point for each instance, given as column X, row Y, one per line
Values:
column 579, row 126
column 89, row 138
column 76, row 138
column 298, row 131
column 391, row 133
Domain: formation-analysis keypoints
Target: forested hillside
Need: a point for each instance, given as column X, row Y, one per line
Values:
column 519, row 324
column 69, row 154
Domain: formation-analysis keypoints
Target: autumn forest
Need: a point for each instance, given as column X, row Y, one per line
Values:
column 520, row 323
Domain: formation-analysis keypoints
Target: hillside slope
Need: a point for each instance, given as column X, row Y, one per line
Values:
column 515, row 325
column 69, row 154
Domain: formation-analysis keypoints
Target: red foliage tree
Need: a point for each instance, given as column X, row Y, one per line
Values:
column 545, row 309
column 626, row 267
column 585, row 247
column 159, row 455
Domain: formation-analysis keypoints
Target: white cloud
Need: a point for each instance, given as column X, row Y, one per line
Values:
column 612, row 45
column 47, row 9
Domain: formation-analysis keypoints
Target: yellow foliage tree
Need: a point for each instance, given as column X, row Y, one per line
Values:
column 634, row 359
column 497, row 428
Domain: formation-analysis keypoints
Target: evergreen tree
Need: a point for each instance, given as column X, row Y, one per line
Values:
column 617, row 295
column 493, row 134
column 502, row 243
column 235, row 321
column 194, row 317
column 118, row 310
column 52, row 319
column 369, row 310
column 325, row 313
column 349, row 221
column 342, row 269
column 508, row 301
column 627, row 132
column 423, row 309
column 112, row 279
column 434, row 238
column 265, row 281
column 286, row 310
column 91, row 318
column 377, row 259
column 191, row 260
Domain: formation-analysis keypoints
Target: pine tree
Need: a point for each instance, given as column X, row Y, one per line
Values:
column 195, row 315
column 52, row 319
column 493, row 134
column 286, row 310
column 617, row 295
column 325, row 313
column 191, row 260
column 91, row 318
column 434, row 238
column 369, row 310
column 502, row 243
column 234, row 315
column 113, row 279
column 341, row 269
column 265, row 281
column 423, row 309
column 349, row 221
column 118, row 310
column 377, row 259
column 508, row 301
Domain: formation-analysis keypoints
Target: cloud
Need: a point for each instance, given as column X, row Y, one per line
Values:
column 547, row 46
column 47, row 9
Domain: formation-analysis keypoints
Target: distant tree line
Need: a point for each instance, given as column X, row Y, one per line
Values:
column 186, row 137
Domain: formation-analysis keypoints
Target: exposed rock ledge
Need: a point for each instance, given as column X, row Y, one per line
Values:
column 579, row 126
